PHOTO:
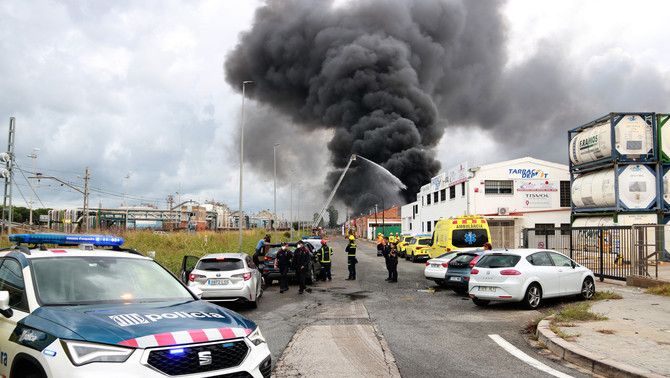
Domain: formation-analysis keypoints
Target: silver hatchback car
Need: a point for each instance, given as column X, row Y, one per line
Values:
column 224, row 277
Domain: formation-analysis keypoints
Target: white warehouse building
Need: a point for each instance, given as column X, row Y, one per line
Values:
column 511, row 195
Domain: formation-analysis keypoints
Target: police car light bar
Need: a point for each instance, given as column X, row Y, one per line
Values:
column 64, row 239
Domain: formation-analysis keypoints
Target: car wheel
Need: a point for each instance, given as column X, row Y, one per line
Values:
column 480, row 302
column 413, row 258
column 533, row 296
column 254, row 304
column 588, row 288
column 268, row 282
column 460, row 291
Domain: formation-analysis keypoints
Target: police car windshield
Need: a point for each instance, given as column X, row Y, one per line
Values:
column 87, row 280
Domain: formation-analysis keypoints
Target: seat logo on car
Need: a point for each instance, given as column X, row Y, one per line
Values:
column 205, row 358
column 125, row 320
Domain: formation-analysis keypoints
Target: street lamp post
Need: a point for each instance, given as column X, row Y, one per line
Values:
column 274, row 214
column 291, row 210
column 241, row 217
column 33, row 156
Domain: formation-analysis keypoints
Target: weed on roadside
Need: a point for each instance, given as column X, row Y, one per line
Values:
column 607, row 294
column 663, row 290
column 565, row 336
column 577, row 312
column 606, row 331
column 531, row 325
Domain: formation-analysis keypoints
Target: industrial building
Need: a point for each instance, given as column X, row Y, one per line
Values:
column 512, row 195
column 369, row 225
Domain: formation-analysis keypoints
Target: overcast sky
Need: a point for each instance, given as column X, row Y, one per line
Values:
column 136, row 91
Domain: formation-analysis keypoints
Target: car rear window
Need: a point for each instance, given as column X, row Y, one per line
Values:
column 461, row 260
column 498, row 261
column 219, row 265
column 424, row 241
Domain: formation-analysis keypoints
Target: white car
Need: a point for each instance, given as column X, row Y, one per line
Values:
column 528, row 276
column 98, row 312
column 436, row 268
column 224, row 277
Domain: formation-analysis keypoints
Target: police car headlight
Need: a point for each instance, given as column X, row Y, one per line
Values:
column 256, row 337
column 81, row 353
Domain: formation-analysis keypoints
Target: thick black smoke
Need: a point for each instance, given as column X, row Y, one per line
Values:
column 372, row 71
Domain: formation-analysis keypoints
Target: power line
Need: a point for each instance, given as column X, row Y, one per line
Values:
column 29, row 184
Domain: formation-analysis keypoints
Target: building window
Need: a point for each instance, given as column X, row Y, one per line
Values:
column 452, row 192
column 415, row 210
column 435, row 198
column 565, row 228
column 544, row 229
column 410, row 226
column 498, row 187
column 428, row 199
column 428, row 228
column 443, row 195
column 463, row 189
column 565, row 194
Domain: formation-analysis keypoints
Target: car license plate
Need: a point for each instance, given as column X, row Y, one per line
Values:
column 434, row 265
column 454, row 279
column 218, row 281
column 487, row 288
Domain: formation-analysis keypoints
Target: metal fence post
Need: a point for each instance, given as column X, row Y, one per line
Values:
column 602, row 257
column 571, row 248
column 524, row 232
column 546, row 238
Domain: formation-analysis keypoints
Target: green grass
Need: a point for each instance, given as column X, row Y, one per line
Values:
column 607, row 294
column 559, row 332
column 171, row 247
column 663, row 290
column 577, row 312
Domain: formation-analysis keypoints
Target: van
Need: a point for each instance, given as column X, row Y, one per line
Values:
column 459, row 234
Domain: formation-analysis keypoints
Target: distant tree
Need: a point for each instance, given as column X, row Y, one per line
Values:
column 332, row 216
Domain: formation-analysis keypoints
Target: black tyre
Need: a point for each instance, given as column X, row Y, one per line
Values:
column 588, row 289
column 413, row 259
column 480, row 302
column 533, row 296
column 460, row 291
column 268, row 281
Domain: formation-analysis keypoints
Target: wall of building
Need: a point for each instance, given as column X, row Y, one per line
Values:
column 527, row 192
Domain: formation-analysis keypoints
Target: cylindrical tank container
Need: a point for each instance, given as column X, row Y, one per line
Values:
column 617, row 136
column 622, row 220
column 665, row 186
column 630, row 187
column 663, row 126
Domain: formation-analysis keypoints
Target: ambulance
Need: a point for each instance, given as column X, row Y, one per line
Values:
column 462, row 233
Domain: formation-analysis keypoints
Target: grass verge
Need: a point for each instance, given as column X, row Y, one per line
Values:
column 607, row 294
column 577, row 312
column 663, row 290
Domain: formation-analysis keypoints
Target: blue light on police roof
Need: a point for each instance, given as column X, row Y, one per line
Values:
column 177, row 351
column 65, row 239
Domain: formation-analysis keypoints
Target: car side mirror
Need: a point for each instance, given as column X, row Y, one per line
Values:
column 5, row 310
column 574, row 264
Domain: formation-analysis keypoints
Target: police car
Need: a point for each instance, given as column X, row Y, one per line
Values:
column 88, row 308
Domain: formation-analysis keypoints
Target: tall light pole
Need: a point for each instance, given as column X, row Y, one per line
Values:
column 274, row 214
column 33, row 156
column 291, row 210
column 241, row 212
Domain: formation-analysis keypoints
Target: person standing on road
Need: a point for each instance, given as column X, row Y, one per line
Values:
column 386, row 252
column 283, row 262
column 393, row 264
column 380, row 244
column 325, row 254
column 351, row 257
column 301, row 260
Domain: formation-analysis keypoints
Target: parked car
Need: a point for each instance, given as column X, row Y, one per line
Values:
column 436, row 269
column 417, row 249
column 271, row 274
column 98, row 310
column 402, row 244
column 458, row 271
column 528, row 276
column 224, row 277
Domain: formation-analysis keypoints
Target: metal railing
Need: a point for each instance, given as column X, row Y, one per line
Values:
column 610, row 252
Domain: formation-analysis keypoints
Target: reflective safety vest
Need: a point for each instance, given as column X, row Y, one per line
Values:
column 324, row 254
column 351, row 249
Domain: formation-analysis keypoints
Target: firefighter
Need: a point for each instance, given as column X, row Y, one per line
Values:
column 351, row 257
column 325, row 254
column 386, row 252
column 301, row 260
column 380, row 244
column 283, row 262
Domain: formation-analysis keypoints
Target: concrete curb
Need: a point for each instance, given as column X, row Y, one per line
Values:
column 578, row 356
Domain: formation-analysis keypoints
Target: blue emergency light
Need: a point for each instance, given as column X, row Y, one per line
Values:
column 65, row 239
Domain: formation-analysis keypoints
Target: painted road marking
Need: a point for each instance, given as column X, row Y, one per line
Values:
column 514, row 351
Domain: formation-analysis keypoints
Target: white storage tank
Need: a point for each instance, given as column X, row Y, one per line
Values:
column 663, row 126
column 636, row 185
column 622, row 220
column 665, row 187
column 633, row 139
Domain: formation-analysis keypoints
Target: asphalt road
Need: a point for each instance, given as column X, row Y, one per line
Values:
column 430, row 334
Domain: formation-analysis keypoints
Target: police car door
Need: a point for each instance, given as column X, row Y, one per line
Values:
column 12, row 287
column 188, row 263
